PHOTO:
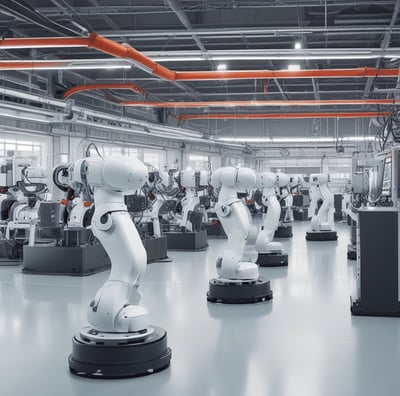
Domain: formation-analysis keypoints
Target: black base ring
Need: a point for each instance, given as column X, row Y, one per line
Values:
column 120, row 360
column 284, row 232
column 273, row 259
column 246, row 292
column 321, row 236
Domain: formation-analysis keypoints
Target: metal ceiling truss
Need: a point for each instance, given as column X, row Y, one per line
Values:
column 354, row 39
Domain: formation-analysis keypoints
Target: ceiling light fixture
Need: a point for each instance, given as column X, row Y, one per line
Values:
column 266, row 57
column 297, row 45
column 221, row 66
column 72, row 67
column 294, row 139
column 64, row 64
column 294, row 67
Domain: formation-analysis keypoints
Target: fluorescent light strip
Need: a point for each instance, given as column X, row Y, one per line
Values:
column 268, row 57
column 4, row 47
column 26, row 117
column 67, row 64
column 69, row 67
column 295, row 140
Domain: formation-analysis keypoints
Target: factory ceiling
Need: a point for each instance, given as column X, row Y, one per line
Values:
column 261, row 57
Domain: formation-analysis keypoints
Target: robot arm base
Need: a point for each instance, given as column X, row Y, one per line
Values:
column 318, row 225
column 229, row 267
column 111, row 310
column 271, row 247
column 325, row 227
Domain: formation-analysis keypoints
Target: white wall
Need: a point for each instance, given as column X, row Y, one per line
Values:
column 57, row 148
column 75, row 148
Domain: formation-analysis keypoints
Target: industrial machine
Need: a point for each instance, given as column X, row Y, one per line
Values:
column 301, row 197
column 189, row 232
column 64, row 243
column 338, row 207
column 322, row 213
column 19, row 205
column 377, row 290
column 238, row 277
column 285, row 197
column 378, row 282
column 213, row 225
column 358, row 196
column 118, row 342
column 270, row 254
column 145, row 210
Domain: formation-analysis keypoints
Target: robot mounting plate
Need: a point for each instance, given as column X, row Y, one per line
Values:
column 321, row 236
column 121, row 359
column 272, row 259
column 243, row 292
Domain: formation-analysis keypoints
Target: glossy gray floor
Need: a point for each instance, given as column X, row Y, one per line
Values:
column 304, row 342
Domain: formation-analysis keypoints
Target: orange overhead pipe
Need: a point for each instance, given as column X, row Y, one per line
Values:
column 44, row 42
column 15, row 65
column 251, row 103
column 284, row 115
column 122, row 51
column 125, row 52
column 92, row 87
column 279, row 74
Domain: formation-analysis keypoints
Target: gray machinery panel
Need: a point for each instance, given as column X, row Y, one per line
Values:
column 378, row 281
column 192, row 241
column 156, row 248
column 58, row 260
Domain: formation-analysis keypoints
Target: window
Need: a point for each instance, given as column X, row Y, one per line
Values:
column 197, row 162
column 152, row 158
column 108, row 150
column 232, row 161
column 25, row 152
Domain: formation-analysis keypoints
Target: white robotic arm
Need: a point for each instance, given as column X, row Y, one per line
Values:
column 191, row 180
column 283, row 181
column 235, row 219
column 268, row 181
column 315, row 196
column 114, row 308
column 323, row 220
column 286, row 195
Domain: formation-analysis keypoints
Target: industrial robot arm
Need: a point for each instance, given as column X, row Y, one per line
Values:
column 283, row 183
column 235, row 219
column 293, row 182
column 315, row 196
column 323, row 220
column 267, row 181
column 191, row 181
column 114, row 308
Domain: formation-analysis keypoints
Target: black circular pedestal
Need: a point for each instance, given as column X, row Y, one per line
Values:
column 272, row 259
column 120, row 359
column 245, row 292
column 321, row 236
column 284, row 232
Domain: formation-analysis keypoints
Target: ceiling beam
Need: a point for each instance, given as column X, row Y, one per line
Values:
column 246, row 103
column 384, row 44
column 108, row 20
column 160, row 9
column 176, row 7
column 277, row 116
column 316, row 89
column 248, row 31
